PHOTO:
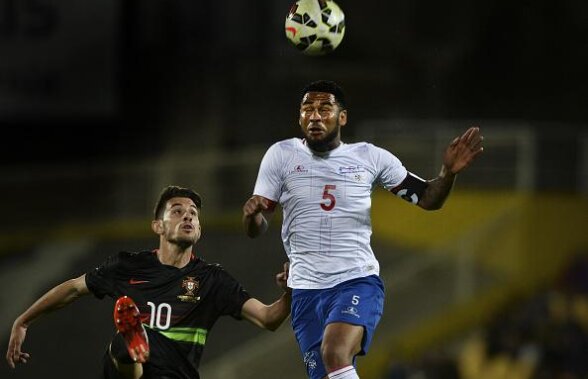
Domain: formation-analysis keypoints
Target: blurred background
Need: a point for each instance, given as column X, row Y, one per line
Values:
column 103, row 103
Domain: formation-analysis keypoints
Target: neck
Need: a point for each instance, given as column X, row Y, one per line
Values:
column 323, row 148
column 172, row 254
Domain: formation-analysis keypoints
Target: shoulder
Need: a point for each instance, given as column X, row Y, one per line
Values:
column 374, row 156
column 282, row 152
column 210, row 266
column 135, row 255
column 136, row 259
column 121, row 261
column 357, row 146
column 286, row 145
column 366, row 149
column 215, row 271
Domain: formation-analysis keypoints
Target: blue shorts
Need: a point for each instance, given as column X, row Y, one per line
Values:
column 358, row 302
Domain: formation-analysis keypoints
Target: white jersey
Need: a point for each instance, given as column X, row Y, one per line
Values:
column 326, row 201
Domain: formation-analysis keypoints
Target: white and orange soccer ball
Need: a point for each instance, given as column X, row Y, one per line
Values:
column 315, row 27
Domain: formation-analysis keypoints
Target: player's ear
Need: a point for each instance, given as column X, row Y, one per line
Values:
column 343, row 117
column 157, row 226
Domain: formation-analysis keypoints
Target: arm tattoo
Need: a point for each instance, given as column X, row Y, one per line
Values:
column 437, row 191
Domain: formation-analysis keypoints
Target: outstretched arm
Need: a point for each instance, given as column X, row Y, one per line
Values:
column 459, row 155
column 56, row 298
column 270, row 316
column 254, row 215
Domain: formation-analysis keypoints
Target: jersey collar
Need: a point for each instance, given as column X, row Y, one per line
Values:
column 326, row 153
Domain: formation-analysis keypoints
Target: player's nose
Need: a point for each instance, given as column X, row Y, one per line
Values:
column 315, row 115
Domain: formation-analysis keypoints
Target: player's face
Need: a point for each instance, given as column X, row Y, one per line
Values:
column 321, row 120
column 180, row 222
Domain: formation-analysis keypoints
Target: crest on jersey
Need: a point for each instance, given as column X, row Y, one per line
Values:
column 191, row 285
column 355, row 173
column 310, row 358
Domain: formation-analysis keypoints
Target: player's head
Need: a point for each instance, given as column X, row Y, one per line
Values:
column 322, row 114
column 176, row 216
column 174, row 191
column 327, row 86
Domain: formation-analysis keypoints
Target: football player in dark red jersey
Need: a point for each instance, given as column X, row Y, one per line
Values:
column 167, row 299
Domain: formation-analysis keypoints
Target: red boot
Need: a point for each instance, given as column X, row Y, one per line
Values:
column 128, row 323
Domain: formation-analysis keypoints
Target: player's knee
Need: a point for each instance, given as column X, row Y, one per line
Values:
column 335, row 356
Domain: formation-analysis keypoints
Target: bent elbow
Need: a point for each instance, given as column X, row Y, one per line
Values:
column 272, row 324
column 253, row 230
column 430, row 206
column 252, row 234
column 271, row 327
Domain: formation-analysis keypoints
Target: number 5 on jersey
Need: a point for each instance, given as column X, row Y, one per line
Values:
column 329, row 197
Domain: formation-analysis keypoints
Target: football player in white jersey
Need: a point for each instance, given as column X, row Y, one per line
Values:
column 324, row 187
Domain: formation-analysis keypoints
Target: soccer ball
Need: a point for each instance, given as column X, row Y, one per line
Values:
column 315, row 27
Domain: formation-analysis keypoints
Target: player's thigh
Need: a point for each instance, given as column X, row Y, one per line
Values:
column 308, row 324
column 307, row 318
column 359, row 303
column 342, row 340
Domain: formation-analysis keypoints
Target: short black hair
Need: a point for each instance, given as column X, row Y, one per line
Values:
column 170, row 192
column 327, row 86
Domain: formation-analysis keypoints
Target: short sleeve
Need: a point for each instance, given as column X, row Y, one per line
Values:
column 230, row 295
column 100, row 281
column 391, row 170
column 269, row 183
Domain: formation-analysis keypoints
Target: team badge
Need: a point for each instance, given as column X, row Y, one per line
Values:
column 310, row 358
column 191, row 285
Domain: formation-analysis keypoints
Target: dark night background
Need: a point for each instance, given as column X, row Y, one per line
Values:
column 104, row 102
column 223, row 73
